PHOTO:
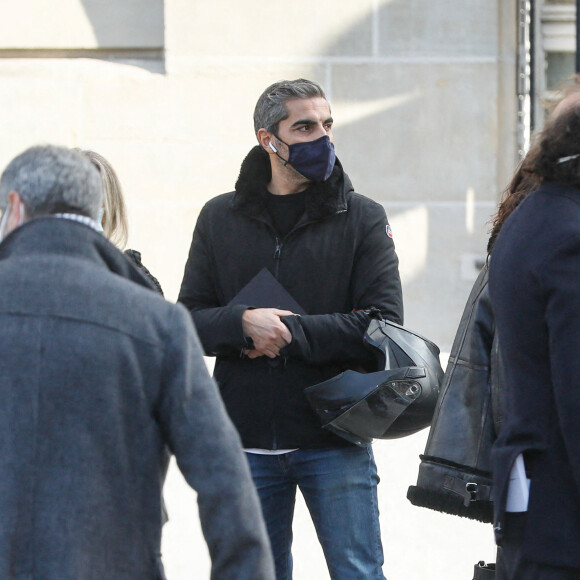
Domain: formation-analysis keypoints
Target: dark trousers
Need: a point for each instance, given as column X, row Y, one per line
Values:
column 511, row 564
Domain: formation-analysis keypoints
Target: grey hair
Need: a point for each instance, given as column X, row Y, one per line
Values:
column 270, row 108
column 52, row 179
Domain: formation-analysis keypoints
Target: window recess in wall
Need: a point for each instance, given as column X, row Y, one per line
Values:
column 555, row 51
column 105, row 29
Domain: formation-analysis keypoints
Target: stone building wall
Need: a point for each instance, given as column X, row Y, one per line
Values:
column 422, row 92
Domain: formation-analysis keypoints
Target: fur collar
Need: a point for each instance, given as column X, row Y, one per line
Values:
column 325, row 198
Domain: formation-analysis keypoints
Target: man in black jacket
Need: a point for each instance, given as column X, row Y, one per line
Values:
column 294, row 228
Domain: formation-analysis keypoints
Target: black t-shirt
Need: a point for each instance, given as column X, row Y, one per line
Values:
column 286, row 210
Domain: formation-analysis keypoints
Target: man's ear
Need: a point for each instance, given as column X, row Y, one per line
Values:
column 265, row 138
column 17, row 211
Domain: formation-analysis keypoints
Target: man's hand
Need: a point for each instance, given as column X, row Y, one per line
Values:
column 267, row 331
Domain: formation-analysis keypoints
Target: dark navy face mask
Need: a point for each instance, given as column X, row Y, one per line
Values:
column 313, row 159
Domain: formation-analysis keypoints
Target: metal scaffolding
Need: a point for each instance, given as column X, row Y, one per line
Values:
column 525, row 75
column 577, row 69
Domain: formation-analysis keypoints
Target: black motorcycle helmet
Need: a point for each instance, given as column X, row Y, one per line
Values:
column 387, row 404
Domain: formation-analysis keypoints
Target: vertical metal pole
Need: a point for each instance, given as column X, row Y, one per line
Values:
column 524, row 74
column 577, row 36
column 532, row 60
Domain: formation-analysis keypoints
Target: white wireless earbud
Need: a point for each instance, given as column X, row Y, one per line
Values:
column 272, row 147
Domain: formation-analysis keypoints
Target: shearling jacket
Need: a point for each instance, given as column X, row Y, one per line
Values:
column 98, row 377
column 455, row 471
column 337, row 260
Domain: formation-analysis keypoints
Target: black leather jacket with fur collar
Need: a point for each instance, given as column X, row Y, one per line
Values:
column 455, row 471
column 337, row 260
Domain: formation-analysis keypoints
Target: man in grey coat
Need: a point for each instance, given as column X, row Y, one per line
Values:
column 99, row 377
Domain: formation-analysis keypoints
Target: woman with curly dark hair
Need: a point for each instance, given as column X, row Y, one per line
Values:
column 534, row 285
column 455, row 475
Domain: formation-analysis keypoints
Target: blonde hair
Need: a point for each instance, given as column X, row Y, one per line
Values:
column 114, row 222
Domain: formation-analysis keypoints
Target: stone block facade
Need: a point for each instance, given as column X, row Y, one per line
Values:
column 422, row 93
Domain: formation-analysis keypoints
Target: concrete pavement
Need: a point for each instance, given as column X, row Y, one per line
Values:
column 419, row 544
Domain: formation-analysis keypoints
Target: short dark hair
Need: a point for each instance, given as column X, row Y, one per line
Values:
column 270, row 108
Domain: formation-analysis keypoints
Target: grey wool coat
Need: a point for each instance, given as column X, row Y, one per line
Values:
column 99, row 376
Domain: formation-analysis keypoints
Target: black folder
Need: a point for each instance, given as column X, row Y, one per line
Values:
column 264, row 291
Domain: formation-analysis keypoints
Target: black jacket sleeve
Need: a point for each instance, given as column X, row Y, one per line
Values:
column 375, row 282
column 330, row 339
column 219, row 327
column 455, row 471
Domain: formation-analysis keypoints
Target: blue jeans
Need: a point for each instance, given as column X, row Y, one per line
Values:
column 339, row 486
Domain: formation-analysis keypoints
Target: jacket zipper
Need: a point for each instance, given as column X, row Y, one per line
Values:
column 280, row 243
column 277, row 254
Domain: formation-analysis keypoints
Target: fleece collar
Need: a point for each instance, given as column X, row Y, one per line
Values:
column 323, row 199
